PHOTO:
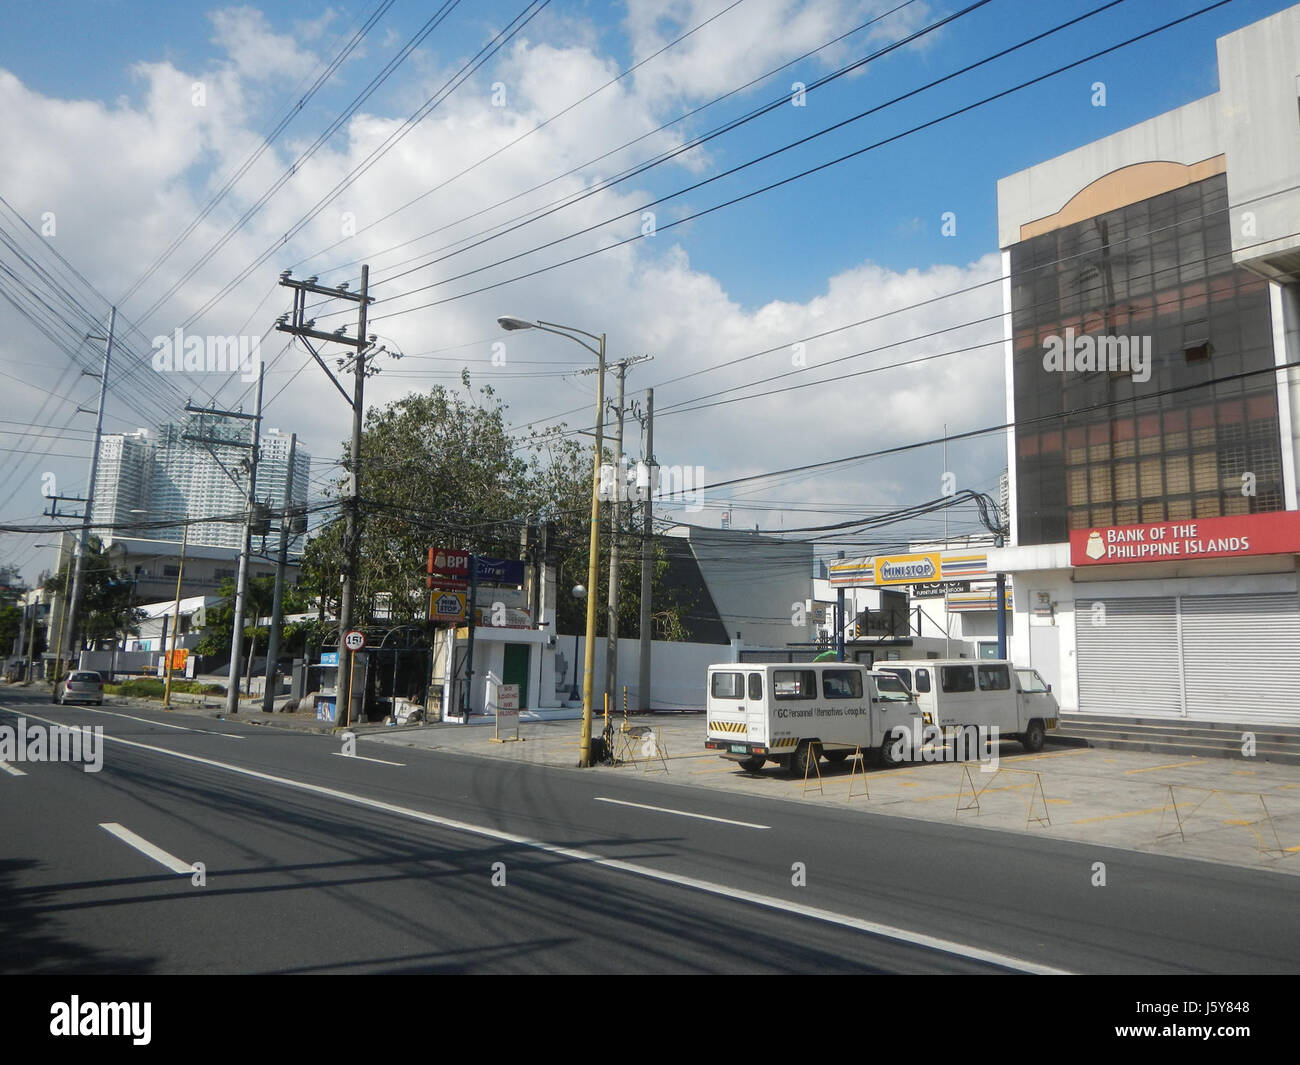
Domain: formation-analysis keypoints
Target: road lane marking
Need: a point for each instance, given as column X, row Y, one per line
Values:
column 363, row 758
column 858, row 924
column 11, row 770
column 162, row 724
column 1116, row 817
column 680, row 813
column 141, row 844
column 1171, row 765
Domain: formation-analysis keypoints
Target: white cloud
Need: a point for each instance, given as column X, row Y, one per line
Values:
column 127, row 179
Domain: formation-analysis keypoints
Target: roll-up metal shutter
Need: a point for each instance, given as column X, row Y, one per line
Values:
column 1241, row 657
column 1129, row 664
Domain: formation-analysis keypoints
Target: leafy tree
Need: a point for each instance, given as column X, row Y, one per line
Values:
column 107, row 612
column 442, row 469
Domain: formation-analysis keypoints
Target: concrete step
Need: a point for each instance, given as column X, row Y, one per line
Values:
column 1203, row 739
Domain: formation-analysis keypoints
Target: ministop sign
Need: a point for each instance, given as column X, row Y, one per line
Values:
column 354, row 640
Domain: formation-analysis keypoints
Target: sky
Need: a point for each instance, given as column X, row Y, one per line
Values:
column 172, row 160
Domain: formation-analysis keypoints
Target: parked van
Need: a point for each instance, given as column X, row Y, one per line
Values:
column 784, row 712
column 952, row 692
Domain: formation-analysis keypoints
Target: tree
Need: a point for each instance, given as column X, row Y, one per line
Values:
column 442, row 469
column 107, row 612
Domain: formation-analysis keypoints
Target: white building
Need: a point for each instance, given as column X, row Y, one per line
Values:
column 173, row 475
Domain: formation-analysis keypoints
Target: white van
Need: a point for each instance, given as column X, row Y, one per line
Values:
column 953, row 692
column 784, row 711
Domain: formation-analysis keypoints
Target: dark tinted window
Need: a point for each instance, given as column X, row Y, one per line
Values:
column 957, row 678
column 756, row 686
column 728, row 685
column 994, row 678
column 842, row 684
column 922, row 680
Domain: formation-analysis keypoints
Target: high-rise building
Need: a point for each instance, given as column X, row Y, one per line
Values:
column 201, row 478
column 1154, row 312
column 122, row 482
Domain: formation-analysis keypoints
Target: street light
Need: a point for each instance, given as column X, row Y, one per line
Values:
column 510, row 323
column 579, row 593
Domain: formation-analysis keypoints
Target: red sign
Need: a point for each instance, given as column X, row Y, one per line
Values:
column 1239, row 536
column 451, row 567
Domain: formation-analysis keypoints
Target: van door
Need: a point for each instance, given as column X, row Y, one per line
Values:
column 1035, row 699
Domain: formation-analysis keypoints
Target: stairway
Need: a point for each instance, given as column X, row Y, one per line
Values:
column 1202, row 739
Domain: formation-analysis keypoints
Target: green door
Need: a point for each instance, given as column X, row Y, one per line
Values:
column 515, row 670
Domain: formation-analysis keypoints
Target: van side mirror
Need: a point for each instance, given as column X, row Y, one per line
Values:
column 1049, row 688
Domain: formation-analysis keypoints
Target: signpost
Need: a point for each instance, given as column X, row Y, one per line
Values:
column 506, row 705
column 354, row 641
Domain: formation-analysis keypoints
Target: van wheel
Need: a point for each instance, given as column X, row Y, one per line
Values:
column 887, row 758
column 803, row 756
column 1034, row 737
column 836, row 757
column 753, row 765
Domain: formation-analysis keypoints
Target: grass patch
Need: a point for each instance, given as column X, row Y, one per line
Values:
column 151, row 688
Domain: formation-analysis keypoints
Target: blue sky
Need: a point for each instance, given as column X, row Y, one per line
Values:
column 106, row 145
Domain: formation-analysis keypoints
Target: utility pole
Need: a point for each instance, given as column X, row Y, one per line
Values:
column 250, row 497
column 277, row 598
column 303, row 329
column 615, row 528
column 77, row 577
column 647, row 547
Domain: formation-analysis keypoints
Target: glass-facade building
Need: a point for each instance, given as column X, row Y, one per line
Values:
column 1100, row 446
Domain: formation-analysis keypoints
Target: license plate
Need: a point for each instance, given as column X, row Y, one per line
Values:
column 738, row 749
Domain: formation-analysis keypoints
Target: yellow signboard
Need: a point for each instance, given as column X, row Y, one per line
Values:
column 908, row 569
column 446, row 604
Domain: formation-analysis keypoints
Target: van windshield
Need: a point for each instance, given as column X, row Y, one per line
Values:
column 892, row 689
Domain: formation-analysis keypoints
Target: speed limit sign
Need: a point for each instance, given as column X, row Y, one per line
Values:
column 354, row 640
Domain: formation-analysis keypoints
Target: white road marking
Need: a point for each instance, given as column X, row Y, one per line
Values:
column 770, row 902
column 363, row 758
column 141, row 844
column 162, row 724
column 682, row 813
column 11, row 770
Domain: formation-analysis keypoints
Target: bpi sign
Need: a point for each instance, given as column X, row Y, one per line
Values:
column 452, row 567
column 1275, row 533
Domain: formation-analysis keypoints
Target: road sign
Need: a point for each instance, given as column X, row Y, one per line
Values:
column 508, row 697
column 446, row 604
column 354, row 640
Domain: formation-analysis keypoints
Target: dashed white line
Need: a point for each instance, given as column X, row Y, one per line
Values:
column 363, row 758
column 11, row 770
column 681, row 813
column 141, row 844
column 901, row 935
column 162, row 724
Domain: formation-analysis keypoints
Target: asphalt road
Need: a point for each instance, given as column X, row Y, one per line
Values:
column 316, row 862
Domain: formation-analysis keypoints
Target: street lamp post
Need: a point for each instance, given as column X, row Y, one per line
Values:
column 509, row 322
column 579, row 593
